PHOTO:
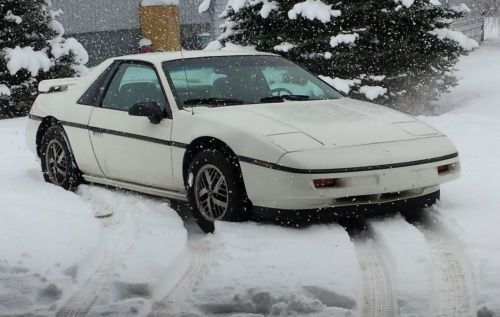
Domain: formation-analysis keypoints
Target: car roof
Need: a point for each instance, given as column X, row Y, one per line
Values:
column 159, row 57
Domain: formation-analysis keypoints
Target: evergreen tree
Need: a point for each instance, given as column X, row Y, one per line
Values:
column 32, row 48
column 397, row 52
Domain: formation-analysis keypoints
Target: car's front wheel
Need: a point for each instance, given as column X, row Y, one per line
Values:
column 215, row 188
column 58, row 164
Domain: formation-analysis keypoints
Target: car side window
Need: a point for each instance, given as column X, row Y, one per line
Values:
column 133, row 83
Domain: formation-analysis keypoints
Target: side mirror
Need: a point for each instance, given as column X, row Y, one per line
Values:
column 150, row 109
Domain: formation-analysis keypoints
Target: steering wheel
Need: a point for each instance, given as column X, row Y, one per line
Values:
column 278, row 91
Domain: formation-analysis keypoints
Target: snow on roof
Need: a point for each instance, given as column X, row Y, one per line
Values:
column 152, row 3
column 313, row 9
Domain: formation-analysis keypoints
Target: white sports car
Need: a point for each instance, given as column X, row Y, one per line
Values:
column 234, row 134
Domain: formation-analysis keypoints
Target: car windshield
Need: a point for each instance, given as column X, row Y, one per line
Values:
column 236, row 80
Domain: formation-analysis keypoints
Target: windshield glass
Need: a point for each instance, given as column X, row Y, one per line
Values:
column 230, row 80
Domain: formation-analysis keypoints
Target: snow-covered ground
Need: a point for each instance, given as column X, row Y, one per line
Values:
column 56, row 258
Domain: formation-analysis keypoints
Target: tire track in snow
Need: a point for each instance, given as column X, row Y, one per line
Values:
column 378, row 299
column 200, row 257
column 81, row 302
column 453, row 289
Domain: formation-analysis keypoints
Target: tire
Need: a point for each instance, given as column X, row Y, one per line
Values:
column 55, row 148
column 215, row 188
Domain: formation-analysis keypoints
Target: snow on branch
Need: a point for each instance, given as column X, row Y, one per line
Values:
column 461, row 39
column 267, row 7
column 204, row 6
column 340, row 84
column 461, row 8
column 4, row 90
column 235, row 5
column 373, row 92
column 284, row 47
column 26, row 58
column 12, row 18
column 313, row 9
column 406, row 3
column 343, row 39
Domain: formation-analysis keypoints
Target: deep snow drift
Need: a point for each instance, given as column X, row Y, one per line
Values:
column 57, row 258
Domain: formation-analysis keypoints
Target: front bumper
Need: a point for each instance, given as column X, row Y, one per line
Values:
column 308, row 216
column 285, row 190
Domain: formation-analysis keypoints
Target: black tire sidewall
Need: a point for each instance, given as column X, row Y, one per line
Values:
column 238, row 207
column 74, row 176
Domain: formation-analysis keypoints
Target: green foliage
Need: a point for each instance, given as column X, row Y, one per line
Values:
column 393, row 41
column 29, row 24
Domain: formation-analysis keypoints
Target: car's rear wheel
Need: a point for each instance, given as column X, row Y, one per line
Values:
column 215, row 188
column 58, row 164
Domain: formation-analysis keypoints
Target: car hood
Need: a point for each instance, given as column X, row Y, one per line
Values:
column 296, row 126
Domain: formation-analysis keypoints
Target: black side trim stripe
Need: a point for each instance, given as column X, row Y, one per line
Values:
column 136, row 136
column 256, row 161
column 117, row 133
column 36, row 118
column 344, row 170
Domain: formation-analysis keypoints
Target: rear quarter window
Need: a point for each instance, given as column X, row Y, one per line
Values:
column 91, row 95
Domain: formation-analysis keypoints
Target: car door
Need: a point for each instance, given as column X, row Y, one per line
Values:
column 131, row 148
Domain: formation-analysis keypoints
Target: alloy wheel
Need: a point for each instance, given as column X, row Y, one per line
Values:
column 211, row 192
column 56, row 163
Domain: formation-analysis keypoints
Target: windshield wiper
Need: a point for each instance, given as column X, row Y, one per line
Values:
column 284, row 97
column 213, row 101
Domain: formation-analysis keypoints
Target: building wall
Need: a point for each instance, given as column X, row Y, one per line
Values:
column 85, row 16
column 110, row 28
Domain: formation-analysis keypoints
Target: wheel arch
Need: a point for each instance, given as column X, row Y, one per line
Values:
column 206, row 142
column 47, row 122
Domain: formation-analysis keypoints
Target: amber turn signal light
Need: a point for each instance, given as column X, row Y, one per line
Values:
column 443, row 168
column 325, row 182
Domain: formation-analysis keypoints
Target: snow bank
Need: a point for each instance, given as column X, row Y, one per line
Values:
column 343, row 39
column 461, row 39
column 152, row 3
column 51, row 244
column 272, row 271
column 340, row 84
column 373, row 92
column 470, row 205
column 26, row 58
column 44, row 233
column 313, row 10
